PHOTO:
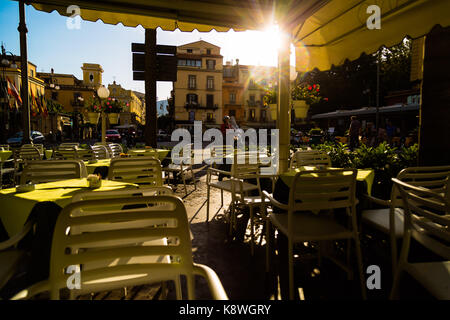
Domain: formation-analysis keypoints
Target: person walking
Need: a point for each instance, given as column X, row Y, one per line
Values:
column 353, row 132
column 223, row 128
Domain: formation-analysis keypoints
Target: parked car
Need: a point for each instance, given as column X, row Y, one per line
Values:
column 113, row 136
column 16, row 140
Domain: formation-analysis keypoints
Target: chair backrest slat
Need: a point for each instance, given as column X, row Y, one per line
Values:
column 52, row 170
column 131, row 256
column 140, row 170
column 427, row 216
column 309, row 158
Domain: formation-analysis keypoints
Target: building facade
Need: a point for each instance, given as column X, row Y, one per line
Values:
column 198, row 89
column 244, row 88
column 134, row 112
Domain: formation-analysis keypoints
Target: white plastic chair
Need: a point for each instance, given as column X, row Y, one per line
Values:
column 53, row 170
column 427, row 220
column 10, row 256
column 70, row 144
column 66, row 153
column 182, row 170
column 312, row 191
column 99, row 152
column 238, row 171
column 130, row 248
column 140, row 170
column 389, row 220
column 309, row 158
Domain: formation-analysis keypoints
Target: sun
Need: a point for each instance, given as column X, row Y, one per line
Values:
column 271, row 35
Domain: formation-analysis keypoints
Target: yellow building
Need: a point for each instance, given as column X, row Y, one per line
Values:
column 36, row 88
column 69, row 91
column 198, row 89
column 134, row 113
column 244, row 88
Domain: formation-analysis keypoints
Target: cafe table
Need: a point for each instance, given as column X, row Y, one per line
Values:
column 81, row 153
column 98, row 167
column 17, row 206
column 162, row 153
column 365, row 176
column 5, row 155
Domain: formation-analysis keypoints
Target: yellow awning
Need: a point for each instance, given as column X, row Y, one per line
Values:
column 203, row 15
column 338, row 31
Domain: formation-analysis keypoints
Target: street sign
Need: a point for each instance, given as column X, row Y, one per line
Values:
column 166, row 62
column 140, row 47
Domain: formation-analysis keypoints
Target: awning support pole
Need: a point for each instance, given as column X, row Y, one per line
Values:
column 150, row 88
column 24, row 73
column 284, row 106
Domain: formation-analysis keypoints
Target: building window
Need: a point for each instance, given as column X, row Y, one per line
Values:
column 210, row 83
column 191, row 115
column 209, row 116
column 191, row 98
column 91, row 77
column 192, row 84
column 208, row 51
column 232, row 113
column 263, row 115
column 54, row 95
column 252, row 114
column 210, row 64
column 252, row 98
column 190, row 63
column 189, row 50
column 232, row 98
column 209, row 100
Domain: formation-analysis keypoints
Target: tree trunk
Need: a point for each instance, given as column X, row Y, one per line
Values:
column 434, row 133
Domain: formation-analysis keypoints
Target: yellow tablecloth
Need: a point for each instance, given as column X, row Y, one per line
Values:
column 100, row 163
column 5, row 155
column 16, row 207
column 162, row 153
column 363, row 175
column 49, row 152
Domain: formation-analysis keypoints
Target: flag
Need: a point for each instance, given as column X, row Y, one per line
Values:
column 12, row 91
column 44, row 105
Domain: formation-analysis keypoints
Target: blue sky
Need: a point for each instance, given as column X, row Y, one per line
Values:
column 52, row 45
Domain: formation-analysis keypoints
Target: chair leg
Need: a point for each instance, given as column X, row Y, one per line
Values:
column 184, row 182
column 178, row 288
column 193, row 179
column 291, row 269
column 268, row 245
column 360, row 267
column 395, row 285
column 207, row 203
column 252, row 244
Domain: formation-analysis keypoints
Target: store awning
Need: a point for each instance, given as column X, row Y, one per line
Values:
column 365, row 111
column 339, row 30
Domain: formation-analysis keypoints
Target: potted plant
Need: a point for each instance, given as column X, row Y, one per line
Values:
column 270, row 99
column 303, row 96
column 113, row 107
column 93, row 107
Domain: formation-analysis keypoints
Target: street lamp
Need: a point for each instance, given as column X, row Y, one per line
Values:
column 103, row 93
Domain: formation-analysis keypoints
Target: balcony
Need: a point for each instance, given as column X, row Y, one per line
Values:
column 197, row 106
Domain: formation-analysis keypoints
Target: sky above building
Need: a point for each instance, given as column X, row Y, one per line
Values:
column 51, row 44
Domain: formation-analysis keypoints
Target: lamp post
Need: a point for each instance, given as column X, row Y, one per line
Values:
column 103, row 93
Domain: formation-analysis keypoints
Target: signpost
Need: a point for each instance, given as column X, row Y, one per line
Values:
column 151, row 63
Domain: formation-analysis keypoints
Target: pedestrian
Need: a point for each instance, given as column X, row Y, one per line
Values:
column 224, row 127
column 353, row 132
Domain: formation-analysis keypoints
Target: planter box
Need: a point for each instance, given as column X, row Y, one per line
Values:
column 113, row 118
column 93, row 117
column 273, row 111
column 300, row 108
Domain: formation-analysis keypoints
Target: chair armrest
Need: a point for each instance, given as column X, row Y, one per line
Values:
column 381, row 202
column 217, row 290
column 218, row 171
column 17, row 237
column 30, row 292
column 274, row 202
